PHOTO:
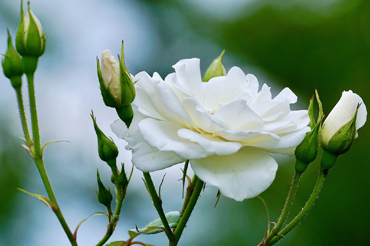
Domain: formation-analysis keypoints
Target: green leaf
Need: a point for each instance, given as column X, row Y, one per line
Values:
column 156, row 226
column 46, row 201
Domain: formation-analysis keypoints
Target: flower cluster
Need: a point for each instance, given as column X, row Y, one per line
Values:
column 226, row 127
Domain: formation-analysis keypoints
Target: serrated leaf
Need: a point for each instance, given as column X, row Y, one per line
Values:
column 156, row 226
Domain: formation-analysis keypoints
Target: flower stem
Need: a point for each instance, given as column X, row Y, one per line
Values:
column 286, row 208
column 120, row 196
column 309, row 204
column 189, row 209
column 35, row 151
column 23, row 116
column 158, row 206
column 189, row 192
column 34, row 120
column 41, row 167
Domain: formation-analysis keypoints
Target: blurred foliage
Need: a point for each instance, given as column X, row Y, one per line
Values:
column 13, row 175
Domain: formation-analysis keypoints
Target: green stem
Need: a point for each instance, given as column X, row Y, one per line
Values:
column 41, row 167
column 37, row 156
column 189, row 192
column 23, row 116
column 158, row 206
column 286, row 208
column 189, row 209
column 110, row 230
column 120, row 194
column 309, row 204
column 34, row 120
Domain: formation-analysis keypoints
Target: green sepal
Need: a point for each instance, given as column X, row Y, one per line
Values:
column 310, row 113
column 127, row 86
column 122, row 178
column 306, row 151
column 156, row 226
column 126, row 114
column 104, row 195
column 107, row 97
column 321, row 115
column 215, row 69
column 12, row 64
column 19, row 41
column 342, row 140
column 34, row 42
column 108, row 151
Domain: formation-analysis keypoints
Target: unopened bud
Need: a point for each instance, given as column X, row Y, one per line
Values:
column 30, row 38
column 108, row 151
column 215, row 69
column 340, row 127
column 115, row 81
column 12, row 65
column 104, row 195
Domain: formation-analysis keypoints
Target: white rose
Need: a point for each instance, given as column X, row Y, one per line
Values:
column 110, row 72
column 225, row 127
column 342, row 113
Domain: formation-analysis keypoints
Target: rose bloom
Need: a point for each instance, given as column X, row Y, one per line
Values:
column 225, row 127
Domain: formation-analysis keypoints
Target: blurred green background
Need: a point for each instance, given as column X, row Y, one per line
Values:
column 295, row 44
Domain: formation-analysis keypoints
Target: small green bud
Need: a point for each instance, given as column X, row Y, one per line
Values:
column 115, row 81
column 108, row 151
column 126, row 114
column 215, row 69
column 122, row 178
column 12, row 65
column 306, row 151
column 104, row 195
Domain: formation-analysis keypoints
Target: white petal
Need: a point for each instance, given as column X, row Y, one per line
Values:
column 285, row 141
column 173, row 104
column 342, row 113
column 220, row 91
column 189, row 78
column 201, row 118
column 145, row 157
column 238, row 116
column 150, row 100
column 240, row 176
column 163, row 136
column 246, row 137
column 119, row 128
column 286, row 94
column 209, row 145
